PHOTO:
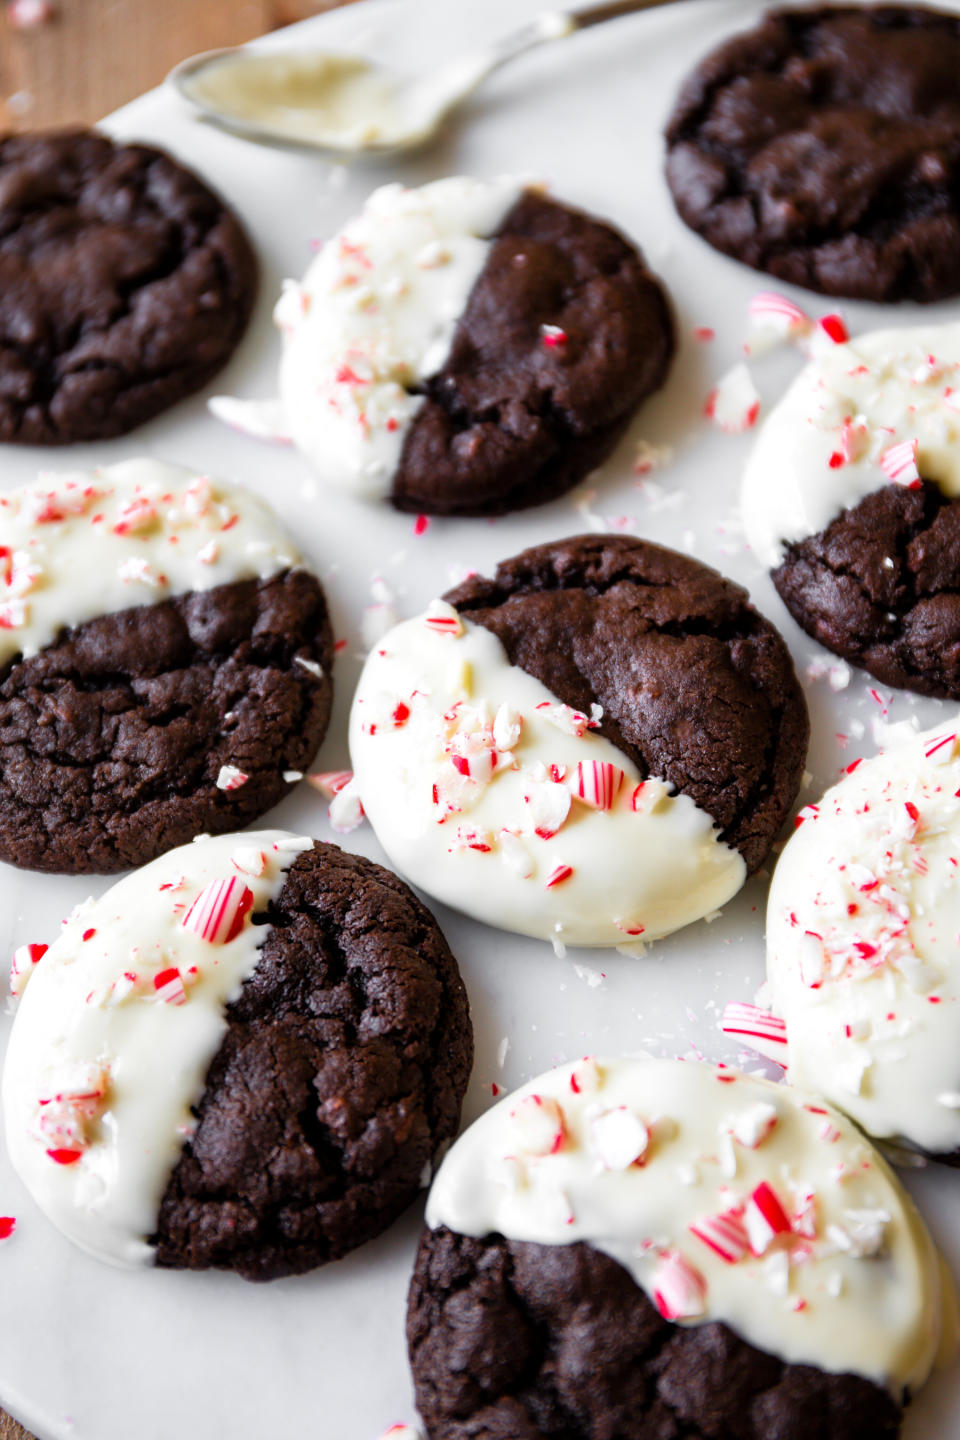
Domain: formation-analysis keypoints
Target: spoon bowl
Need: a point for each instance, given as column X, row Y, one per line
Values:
column 346, row 106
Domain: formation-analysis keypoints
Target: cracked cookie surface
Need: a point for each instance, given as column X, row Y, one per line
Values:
column 881, row 587
column 342, row 1071
column 696, row 686
column 512, row 1340
column 112, row 738
column 125, row 284
column 823, row 146
column 510, row 420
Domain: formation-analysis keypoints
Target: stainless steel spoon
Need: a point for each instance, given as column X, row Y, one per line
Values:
column 342, row 104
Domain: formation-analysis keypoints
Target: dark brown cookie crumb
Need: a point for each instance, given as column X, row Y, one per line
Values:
column 696, row 686
column 125, row 284
column 340, row 1075
column 881, row 587
column 518, row 1341
column 112, row 738
column 518, row 415
column 823, row 146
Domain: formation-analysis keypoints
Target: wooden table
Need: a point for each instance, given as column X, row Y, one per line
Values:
column 96, row 54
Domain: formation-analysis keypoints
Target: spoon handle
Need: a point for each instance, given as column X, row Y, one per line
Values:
column 589, row 15
column 556, row 25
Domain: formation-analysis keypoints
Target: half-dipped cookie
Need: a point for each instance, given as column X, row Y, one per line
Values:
column 862, row 926
column 125, row 284
column 639, row 1248
column 244, row 1056
column 467, row 348
column 852, row 497
column 594, row 746
column 164, row 664
column 823, row 146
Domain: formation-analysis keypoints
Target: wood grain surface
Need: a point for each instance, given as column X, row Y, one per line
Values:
column 94, row 55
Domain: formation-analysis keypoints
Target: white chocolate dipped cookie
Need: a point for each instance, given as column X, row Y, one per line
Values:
column 172, row 1066
column 862, row 925
column 851, row 497
column 754, row 1232
column 468, row 347
column 164, row 664
column 573, row 811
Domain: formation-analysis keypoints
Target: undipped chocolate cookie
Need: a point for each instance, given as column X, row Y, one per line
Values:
column 467, row 348
column 650, row 1248
column 125, row 284
column 823, row 146
column 164, row 665
column 595, row 746
column 245, row 1056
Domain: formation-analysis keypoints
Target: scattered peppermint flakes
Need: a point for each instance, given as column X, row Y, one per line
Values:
column 734, row 403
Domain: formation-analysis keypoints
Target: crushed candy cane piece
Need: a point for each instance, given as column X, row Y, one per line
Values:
column 734, row 403
column 834, row 328
column 558, row 875
column 516, row 856
column 218, row 913
column 753, row 1125
column 725, row 1234
column 773, row 319
column 596, row 783
column 169, row 986
column 443, row 619
column 548, row 804
column 899, row 464
column 618, row 1137
column 249, row 860
column 8, row 1224
column 330, row 782
column 680, row 1291
column 564, row 717
column 25, row 957
column 231, row 778
column 346, row 810
column 764, row 1032
column 538, row 1124
column 507, row 726
column 765, row 1218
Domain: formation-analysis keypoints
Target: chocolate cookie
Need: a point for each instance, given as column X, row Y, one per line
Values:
column 593, row 747
column 823, row 146
column 696, row 687
column 125, row 284
column 468, row 348
column 138, row 707
column 881, row 587
column 517, row 1341
column 258, row 1044
column 637, row 1248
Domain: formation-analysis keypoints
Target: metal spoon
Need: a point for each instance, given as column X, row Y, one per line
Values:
column 345, row 105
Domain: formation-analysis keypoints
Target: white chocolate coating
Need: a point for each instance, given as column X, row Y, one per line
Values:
column 893, row 386
column 86, row 543
column 863, row 960
column 853, row 1285
column 375, row 314
column 105, row 1065
column 512, row 847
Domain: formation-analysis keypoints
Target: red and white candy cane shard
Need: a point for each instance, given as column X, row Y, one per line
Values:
column 619, row 1137
column 854, row 439
column 899, row 464
column 564, row 717
column 549, row 806
column 218, row 913
column 770, row 310
column 596, row 783
column 809, row 812
column 941, row 747
column 762, row 1031
column 21, row 967
column 479, row 766
column 13, row 614
column 8, row 1224
column 249, row 860
column 680, row 1291
column 734, row 403
column 725, row 1234
column 346, row 810
column 169, row 986
column 834, row 327
column 558, row 875
column 230, row 777
column 62, row 1156
column 137, row 514
column 443, row 619
column 330, row 782
column 507, row 725
column 538, row 1125
column 765, row 1218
